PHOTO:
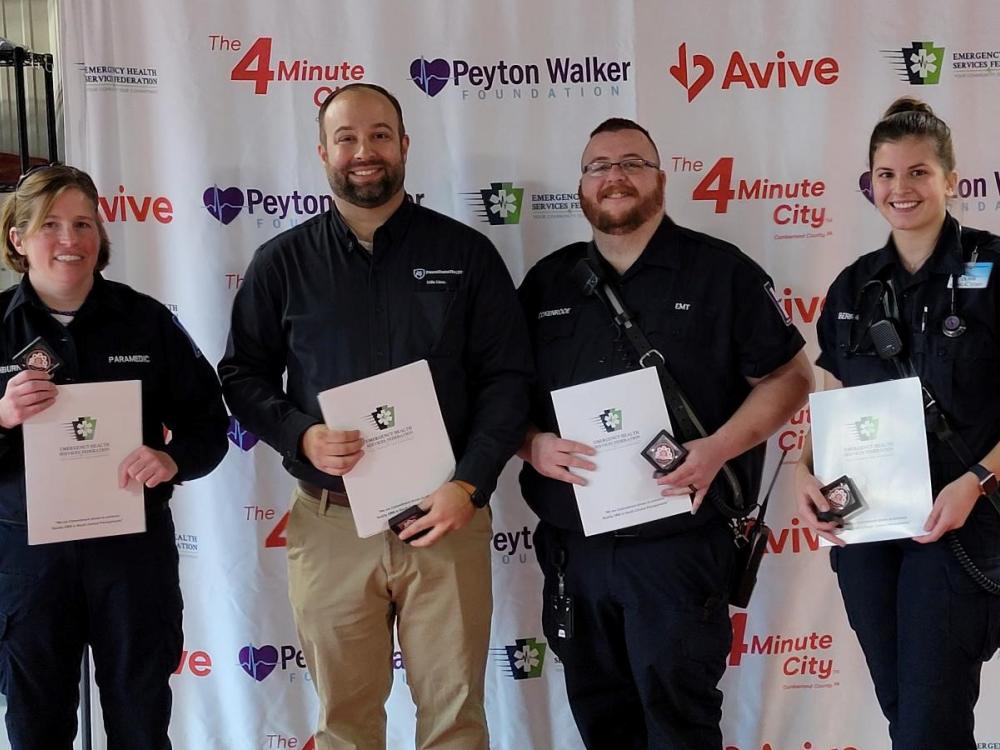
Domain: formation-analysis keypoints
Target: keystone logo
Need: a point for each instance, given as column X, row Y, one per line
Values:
column 224, row 205
column 83, row 428
column 499, row 204
column 524, row 660
column 865, row 429
column 430, row 76
column 383, row 417
column 610, row 420
column 240, row 436
column 919, row 64
column 258, row 662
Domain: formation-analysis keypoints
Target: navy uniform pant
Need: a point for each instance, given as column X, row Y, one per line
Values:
column 652, row 634
column 925, row 628
column 119, row 594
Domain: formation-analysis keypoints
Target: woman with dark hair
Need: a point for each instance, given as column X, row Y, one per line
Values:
column 924, row 616
column 119, row 594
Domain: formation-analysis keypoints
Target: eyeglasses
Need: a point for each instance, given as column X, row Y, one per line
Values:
column 602, row 167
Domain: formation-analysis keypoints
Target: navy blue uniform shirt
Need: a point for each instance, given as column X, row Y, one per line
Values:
column 118, row 334
column 962, row 372
column 317, row 307
column 705, row 305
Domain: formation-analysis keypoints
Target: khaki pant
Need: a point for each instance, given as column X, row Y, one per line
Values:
column 347, row 593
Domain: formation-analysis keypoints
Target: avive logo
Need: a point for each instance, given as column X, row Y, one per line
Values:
column 780, row 72
column 122, row 206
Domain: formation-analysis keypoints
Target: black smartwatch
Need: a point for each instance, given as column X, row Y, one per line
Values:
column 476, row 497
column 987, row 479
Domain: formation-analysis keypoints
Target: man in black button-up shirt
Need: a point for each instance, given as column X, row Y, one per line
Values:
column 377, row 283
column 650, row 628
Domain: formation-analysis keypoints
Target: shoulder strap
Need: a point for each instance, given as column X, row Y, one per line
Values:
column 649, row 356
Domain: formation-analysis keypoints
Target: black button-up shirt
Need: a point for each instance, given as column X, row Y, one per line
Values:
column 963, row 373
column 316, row 305
column 704, row 304
column 118, row 334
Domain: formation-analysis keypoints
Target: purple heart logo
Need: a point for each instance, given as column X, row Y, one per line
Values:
column 430, row 75
column 240, row 436
column 258, row 662
column 865, row 183
column 224, row 205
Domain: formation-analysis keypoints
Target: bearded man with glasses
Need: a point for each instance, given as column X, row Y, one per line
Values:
column 648, row 635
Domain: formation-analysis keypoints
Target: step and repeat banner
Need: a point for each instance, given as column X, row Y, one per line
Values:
column 198, row 122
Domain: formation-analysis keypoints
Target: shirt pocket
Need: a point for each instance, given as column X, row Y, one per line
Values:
column 434, row 313
column 556, row 355
column 968, row 379
column 858, row 369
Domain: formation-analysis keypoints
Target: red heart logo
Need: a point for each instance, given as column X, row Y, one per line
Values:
column 680, row 71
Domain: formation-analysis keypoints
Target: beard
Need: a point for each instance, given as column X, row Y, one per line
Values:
column 610, row 222
column 369, row 195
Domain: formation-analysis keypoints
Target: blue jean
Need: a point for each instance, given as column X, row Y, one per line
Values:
column 119, row 594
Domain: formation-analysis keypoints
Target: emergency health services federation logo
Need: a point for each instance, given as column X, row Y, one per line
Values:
column 82, row 428
column 383, row 417
column 919, row 64
column 610, row 420
column 499, row 204
column 524, row 660
column 865, row 429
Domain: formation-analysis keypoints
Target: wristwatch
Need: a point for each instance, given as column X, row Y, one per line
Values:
column 987, row 479
column 475, row 496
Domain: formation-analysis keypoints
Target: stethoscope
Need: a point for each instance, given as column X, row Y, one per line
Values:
column 878, row 293
column 953, row 324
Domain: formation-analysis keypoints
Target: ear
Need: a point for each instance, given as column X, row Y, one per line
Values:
column 321, row 150
column 15, row 239
column 404, row 145
column 951, row 183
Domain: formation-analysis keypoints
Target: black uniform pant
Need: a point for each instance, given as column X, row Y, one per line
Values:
column 925, row 628
column 652, row 634
column 119, row 594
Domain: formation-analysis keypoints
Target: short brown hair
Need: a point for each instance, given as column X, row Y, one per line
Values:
column 906, row 117
column 617, row 124
column 354, row 87
column 31, row 201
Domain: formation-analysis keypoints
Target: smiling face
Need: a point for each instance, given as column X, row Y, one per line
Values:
column 911, row 187
column 364, row 154
column 62, row 253
column 617, row 203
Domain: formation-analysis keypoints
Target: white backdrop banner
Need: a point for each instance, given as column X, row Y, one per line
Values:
column 198, row 122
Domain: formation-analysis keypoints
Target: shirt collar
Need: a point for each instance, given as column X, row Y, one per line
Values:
column 661, row 250
column 947, row 257
column 393, row 228
column 101, row 294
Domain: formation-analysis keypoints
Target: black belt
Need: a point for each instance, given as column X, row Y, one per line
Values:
column 332, row 496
